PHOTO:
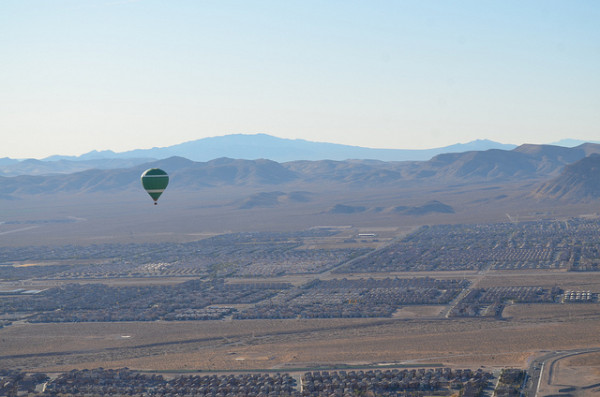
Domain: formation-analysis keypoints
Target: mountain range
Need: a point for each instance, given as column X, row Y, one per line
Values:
column 261, row 146
column 526, row 162
column 578, row 181
column 238, row 146
column 528, row 182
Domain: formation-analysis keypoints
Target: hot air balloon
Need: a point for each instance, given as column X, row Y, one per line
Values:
column 155, row 182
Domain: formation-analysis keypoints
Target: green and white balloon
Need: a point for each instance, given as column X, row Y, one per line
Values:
column 155, row 182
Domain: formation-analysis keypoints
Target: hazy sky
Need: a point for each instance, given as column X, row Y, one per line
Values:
column 78, row 75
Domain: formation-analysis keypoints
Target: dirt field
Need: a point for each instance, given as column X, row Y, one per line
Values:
column 415, row 334
column 548, row 279
column 578, row 375
column 411, row 312
column 552, row 312
column 223, row 345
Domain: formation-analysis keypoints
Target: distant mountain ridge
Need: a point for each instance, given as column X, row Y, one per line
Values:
column 263, row 146
column 240, row 146
column 571, row 142
column 527, row 162
column 43, row 167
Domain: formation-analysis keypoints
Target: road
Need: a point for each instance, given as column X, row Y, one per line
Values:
column 480, row 274
column 19, row 230
column 541, row 370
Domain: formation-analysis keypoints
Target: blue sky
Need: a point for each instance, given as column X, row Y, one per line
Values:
column 115, row 74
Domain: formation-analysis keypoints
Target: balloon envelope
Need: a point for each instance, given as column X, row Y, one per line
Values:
column 155, row 182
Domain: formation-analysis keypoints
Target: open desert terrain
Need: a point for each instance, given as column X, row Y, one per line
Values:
column 414, row 335
column 476, row 275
